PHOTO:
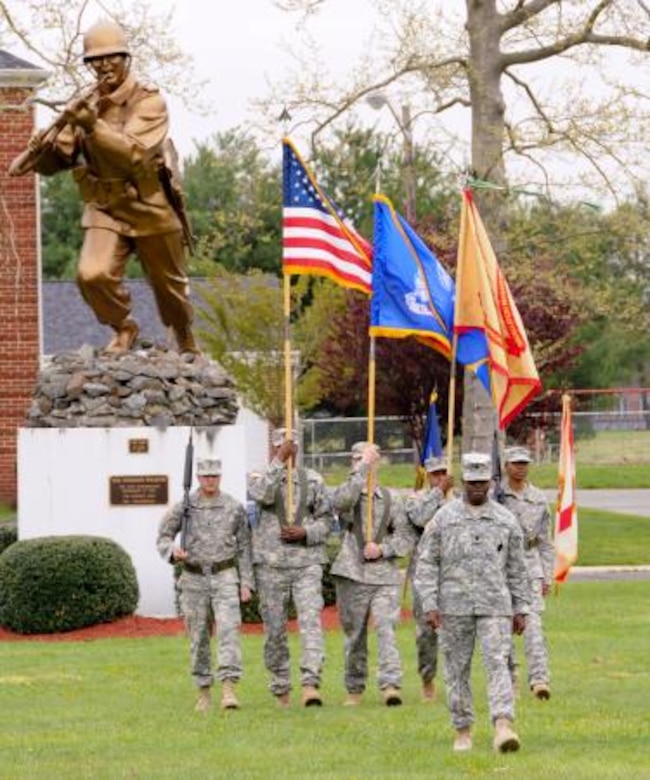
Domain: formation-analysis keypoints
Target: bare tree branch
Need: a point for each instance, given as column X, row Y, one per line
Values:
column 584, row 36
column 524, row 12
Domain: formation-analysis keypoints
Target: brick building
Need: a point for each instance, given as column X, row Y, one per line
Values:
column 19, row 263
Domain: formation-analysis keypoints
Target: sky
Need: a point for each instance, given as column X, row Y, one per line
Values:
column 242, row 45
column 239, row 48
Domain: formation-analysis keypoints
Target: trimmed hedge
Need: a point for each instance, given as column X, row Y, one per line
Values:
column 8, row 534
column 61, row 583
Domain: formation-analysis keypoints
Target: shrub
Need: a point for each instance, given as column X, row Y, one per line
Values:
column 8, row 534
column 60, row 583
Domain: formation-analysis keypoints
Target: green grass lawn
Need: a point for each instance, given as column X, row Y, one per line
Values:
column 124, row 708
column 609, row 539
column 588, row 476
column 6, row 512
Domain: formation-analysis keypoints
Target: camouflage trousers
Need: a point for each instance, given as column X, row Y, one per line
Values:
column 275, row 587
column 426, row 642
column 357, row 603
column 535, row 649
column 458, row 636
column 205, row 600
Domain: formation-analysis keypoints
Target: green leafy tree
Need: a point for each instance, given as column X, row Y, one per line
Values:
column 61, row 209
column 234, row 200
column 244, row 332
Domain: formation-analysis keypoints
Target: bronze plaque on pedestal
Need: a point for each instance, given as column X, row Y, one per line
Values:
column 138, row 490
column 138, row 446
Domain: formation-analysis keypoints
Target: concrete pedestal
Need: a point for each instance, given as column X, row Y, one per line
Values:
column 64, row 487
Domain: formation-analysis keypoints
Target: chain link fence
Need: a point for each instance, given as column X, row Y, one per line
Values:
column 613, row 437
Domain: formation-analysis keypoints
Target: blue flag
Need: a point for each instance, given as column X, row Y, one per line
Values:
column 432, row 446
column 412, row 294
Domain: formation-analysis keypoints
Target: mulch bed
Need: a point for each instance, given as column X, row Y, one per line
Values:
column 138, row 626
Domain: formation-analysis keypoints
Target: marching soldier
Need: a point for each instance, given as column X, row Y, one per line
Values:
column 471, row 578
column 367, row 577
column 528, row 504
column 288, row 556
column 216, row 573
column 115, row 143
column 420, row 508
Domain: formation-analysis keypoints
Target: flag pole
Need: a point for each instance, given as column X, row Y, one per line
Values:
column 288, row 390
column 451, row 401
column 371, row 433
column 288, row 373
column 372, row 369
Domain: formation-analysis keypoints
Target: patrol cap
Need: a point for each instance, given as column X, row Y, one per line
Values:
column 208, row 467
column 433, row 463
column 280, row 434
column 516, row 455
column 476, row 467
column 358, row 448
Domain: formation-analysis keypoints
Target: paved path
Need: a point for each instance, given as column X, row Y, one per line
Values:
column 630, row 502
column 604, row 573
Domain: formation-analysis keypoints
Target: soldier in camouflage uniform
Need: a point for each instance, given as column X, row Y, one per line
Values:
column 367, row 577
column 471, row 577
column 528, row 504
column 217, row 572
column 288, row 557
column 420, row 508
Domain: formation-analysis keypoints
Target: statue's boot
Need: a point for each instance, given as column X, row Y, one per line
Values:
column 125, row 336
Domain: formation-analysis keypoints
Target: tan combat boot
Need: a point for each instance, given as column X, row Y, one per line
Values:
column 352, row 700
column 463, row 740
column 541, row 691
column 505, row 739
column 283, row 700
column 204, row 700
column 392, row 696
column 228, row 698
column 311, row 696
column 428, row 691
column 125, row 335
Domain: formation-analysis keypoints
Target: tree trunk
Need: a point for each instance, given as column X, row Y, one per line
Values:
column 488, row 127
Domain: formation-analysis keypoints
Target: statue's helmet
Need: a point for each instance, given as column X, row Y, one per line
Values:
column 103, row 39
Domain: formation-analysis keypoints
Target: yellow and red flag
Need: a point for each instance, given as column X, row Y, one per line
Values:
column 500, row 354
column 566, row 516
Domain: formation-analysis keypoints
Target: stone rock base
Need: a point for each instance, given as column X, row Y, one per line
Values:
column 148, row 386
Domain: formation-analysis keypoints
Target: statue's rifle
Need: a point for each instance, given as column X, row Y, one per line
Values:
column 28, row 160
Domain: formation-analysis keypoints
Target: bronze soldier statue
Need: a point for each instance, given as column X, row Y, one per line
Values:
column 114, row 140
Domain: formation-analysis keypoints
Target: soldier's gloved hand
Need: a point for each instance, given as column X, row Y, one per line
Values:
column 372, row 551
column 434, row 618
column 244, row 594
column 178, row 554
column 293, row 533
column 287, row 449
column 80, row 114
column 519, row 624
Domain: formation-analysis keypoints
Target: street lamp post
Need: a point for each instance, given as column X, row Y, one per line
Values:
column 378, row 100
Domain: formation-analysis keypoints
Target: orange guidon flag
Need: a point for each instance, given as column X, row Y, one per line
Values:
column 566, row 516
column 484, row 305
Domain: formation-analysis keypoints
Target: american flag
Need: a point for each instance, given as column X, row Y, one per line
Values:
column 317, row 239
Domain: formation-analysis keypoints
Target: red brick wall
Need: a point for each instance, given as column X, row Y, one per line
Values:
column 19, row 285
